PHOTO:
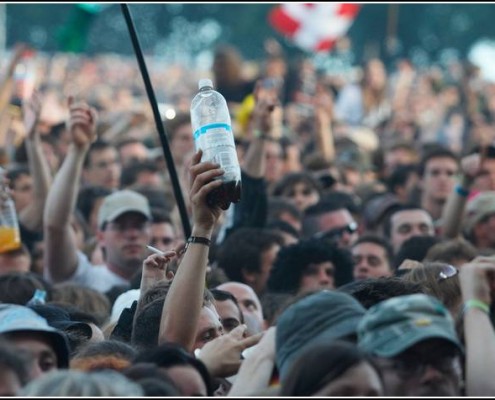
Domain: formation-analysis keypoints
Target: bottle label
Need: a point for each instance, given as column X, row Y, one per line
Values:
column 217, row 142
column 217, row 128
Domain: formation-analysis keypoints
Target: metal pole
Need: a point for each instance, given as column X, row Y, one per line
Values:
column 3, row 29
column 158, row 121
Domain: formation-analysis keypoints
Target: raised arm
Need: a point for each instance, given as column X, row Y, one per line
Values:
column 262, row 127
column 185, row 297
column 31, row 217
column 7, row 112
column 256, row 370
column 323, row 116
column 477, row 284
column 456, row 202
column 60, row 256
column 7, row 83
column 154, row 271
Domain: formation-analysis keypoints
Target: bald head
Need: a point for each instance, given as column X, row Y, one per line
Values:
column 248, row 302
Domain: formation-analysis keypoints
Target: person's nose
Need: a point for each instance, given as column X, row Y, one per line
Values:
column 431, row 374
column 345, row 239
column 362, row 267
column 35, row 371
column 323, row 278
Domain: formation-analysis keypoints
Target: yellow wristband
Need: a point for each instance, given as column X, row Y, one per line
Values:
column 480, row 305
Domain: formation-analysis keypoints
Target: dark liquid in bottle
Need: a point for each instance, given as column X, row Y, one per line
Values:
column 229, row 192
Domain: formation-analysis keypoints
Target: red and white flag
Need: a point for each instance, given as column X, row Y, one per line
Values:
column 313, row 26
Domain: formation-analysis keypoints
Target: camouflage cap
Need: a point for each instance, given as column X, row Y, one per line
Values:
column 392, row 326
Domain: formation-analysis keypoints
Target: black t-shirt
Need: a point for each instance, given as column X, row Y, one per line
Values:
column 29, row 238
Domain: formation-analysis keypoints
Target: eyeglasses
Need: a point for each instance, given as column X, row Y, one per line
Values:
column 448, row 271
column 336, row 233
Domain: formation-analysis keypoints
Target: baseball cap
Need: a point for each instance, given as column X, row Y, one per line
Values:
column 394, row 325
column 123, row 201
column 16, row 318
column 60, row 319
column 324, row 315
column 477, row 208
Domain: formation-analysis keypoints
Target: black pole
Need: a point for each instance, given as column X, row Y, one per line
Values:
column 158, row 121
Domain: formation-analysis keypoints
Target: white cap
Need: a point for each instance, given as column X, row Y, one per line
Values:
column 121, row 202
column 205, row 83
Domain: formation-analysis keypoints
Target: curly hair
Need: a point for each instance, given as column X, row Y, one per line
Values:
column 242, row 251
column 291, row 261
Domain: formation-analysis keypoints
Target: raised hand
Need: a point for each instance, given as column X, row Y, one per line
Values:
column 222, row 356
column 477, row 279
column 323, row 103
column 155, row 266
column 82, row 123
column 18, row 53
column 202, row 182
column 266, row 99
column 471, row 167
column 31, row 111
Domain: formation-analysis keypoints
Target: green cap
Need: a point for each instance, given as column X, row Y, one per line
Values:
column 392, row 326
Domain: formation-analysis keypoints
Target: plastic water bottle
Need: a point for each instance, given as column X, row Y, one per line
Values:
column 10, row 237
column 212, row 130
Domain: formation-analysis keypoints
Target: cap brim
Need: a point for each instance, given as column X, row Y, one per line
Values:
column 394, row 347
column 117, row 213
column 71, row 326
column 59, row 341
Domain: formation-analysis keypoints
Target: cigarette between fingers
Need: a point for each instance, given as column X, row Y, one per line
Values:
column 155, row 250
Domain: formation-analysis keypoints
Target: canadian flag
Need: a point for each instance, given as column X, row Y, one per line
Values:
column 313, row 26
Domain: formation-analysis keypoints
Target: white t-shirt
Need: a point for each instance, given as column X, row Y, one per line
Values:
column 97, row 277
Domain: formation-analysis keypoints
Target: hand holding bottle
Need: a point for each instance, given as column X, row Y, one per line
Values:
column 203, row 182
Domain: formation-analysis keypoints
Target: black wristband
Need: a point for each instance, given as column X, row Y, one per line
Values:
column 199, row 239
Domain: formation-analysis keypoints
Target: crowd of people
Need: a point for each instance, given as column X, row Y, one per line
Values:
column 360, row 260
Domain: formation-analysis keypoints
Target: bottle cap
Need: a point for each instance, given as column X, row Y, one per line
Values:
column 205, row 83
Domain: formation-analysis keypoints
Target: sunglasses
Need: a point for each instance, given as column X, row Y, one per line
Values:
column 336, row 233
column 448, row 271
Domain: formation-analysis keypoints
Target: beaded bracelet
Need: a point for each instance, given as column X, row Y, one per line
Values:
column 480, row 305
